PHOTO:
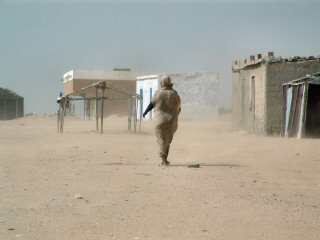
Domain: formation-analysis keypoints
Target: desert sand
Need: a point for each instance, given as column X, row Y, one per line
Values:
column 86, row 185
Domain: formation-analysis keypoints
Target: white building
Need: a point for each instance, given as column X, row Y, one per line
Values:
column 146, row 87
column 198, row 91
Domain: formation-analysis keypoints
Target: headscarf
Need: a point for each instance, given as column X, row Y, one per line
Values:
column 166, row 82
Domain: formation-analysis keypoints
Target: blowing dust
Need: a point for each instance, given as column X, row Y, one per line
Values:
column 86, row 185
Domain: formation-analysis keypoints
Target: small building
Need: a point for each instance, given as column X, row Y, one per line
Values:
column 257, row 89
column 199, row 93
column 74, row 80
column 301, row 107
column 11, row 105
column 146, row 86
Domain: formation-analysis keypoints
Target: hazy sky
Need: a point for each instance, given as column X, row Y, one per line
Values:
column 41, row 40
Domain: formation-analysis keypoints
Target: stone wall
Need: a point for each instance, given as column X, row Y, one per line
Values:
column 277, row 74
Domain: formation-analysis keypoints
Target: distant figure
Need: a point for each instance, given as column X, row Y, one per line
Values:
column 59, row 98
column 167, row 105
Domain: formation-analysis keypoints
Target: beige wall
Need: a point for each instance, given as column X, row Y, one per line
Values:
column 259, row 109
column 68, row 87
column 111, row 107
column 269, row 77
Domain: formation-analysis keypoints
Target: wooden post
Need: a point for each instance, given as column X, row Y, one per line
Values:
column 129, row 113
column 16, row 108
column 58, row 114
column 97, row 120
column 60, row 117
column 61, row 112
column 102, row 100
column 135, row 114
column 5, row 109
column 64, row 103
column 140, row 114
column 132, row 113
column 89, row 109
column 84, row 108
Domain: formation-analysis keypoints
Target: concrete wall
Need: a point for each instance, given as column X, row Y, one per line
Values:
column 199, row 94
column 277, row 74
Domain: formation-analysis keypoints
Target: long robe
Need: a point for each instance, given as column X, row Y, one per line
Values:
column 167, row 106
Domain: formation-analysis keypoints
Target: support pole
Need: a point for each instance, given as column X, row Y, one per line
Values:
column 140, row 114
column 132, row 97
column 58, row 120
column 102, row 100
column 5, row 109
column 64, row 103
column 84, row 108
column 16, row 108
column 60, row 117
column 97, row 120
column 132, row 114
column 129, row 114
column 135, row 114
column 89, row 109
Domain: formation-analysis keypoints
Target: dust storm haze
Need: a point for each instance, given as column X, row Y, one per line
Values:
column 42, row 40
column 223, row 183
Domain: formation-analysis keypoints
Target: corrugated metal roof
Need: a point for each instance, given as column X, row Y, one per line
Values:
column 310, row 78
column 6, row 93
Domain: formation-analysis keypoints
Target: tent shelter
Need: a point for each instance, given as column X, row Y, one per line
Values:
column 77, row 79
column 301, row 107
column 103, row 87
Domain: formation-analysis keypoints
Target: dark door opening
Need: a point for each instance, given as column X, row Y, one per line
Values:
column 312, row 126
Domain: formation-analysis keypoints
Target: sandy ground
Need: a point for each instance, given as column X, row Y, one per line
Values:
column 247, row 187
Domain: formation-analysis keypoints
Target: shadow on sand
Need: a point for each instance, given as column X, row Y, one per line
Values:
column 196, row 165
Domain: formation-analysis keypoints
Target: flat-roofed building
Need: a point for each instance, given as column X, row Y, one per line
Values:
column 257, row 89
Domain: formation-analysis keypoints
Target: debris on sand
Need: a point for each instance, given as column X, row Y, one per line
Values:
column 194, row 165
column 78, row 196
column 143, row 174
